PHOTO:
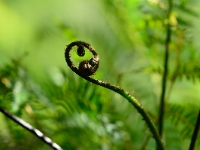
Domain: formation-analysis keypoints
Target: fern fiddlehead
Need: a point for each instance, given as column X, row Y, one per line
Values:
column 86, row 67
column 89, row 67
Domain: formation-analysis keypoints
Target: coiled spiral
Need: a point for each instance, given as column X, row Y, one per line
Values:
column 86, row 67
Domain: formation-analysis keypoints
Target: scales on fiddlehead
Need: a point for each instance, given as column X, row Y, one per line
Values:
column 86, row 67
column 89, row 67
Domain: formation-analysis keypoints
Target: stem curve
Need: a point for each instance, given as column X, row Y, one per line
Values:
column 107, row 85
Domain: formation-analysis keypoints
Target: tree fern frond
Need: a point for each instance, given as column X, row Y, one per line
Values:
column 182, row 117
column 190, row 71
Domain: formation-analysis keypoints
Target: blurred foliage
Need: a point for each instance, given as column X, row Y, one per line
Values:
column 37, row 86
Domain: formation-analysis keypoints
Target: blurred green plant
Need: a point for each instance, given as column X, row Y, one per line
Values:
column 77, row 114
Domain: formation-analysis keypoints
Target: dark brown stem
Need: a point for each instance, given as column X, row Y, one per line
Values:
column 164, row 80
column 195, row 133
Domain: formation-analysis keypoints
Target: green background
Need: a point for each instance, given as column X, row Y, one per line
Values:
column 39, row 87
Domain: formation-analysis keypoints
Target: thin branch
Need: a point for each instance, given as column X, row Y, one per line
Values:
column 195, row 133
column 29, row 128
column 164, row 80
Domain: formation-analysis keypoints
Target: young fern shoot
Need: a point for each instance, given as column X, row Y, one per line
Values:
column 89, row 67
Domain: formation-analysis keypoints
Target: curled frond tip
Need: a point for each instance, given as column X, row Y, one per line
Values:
column 86, row 67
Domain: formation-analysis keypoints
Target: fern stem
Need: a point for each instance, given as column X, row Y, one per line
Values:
column 164, row 80
column 29, row 128
column 116, row 89
column 195, row 133
column 135, row 103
